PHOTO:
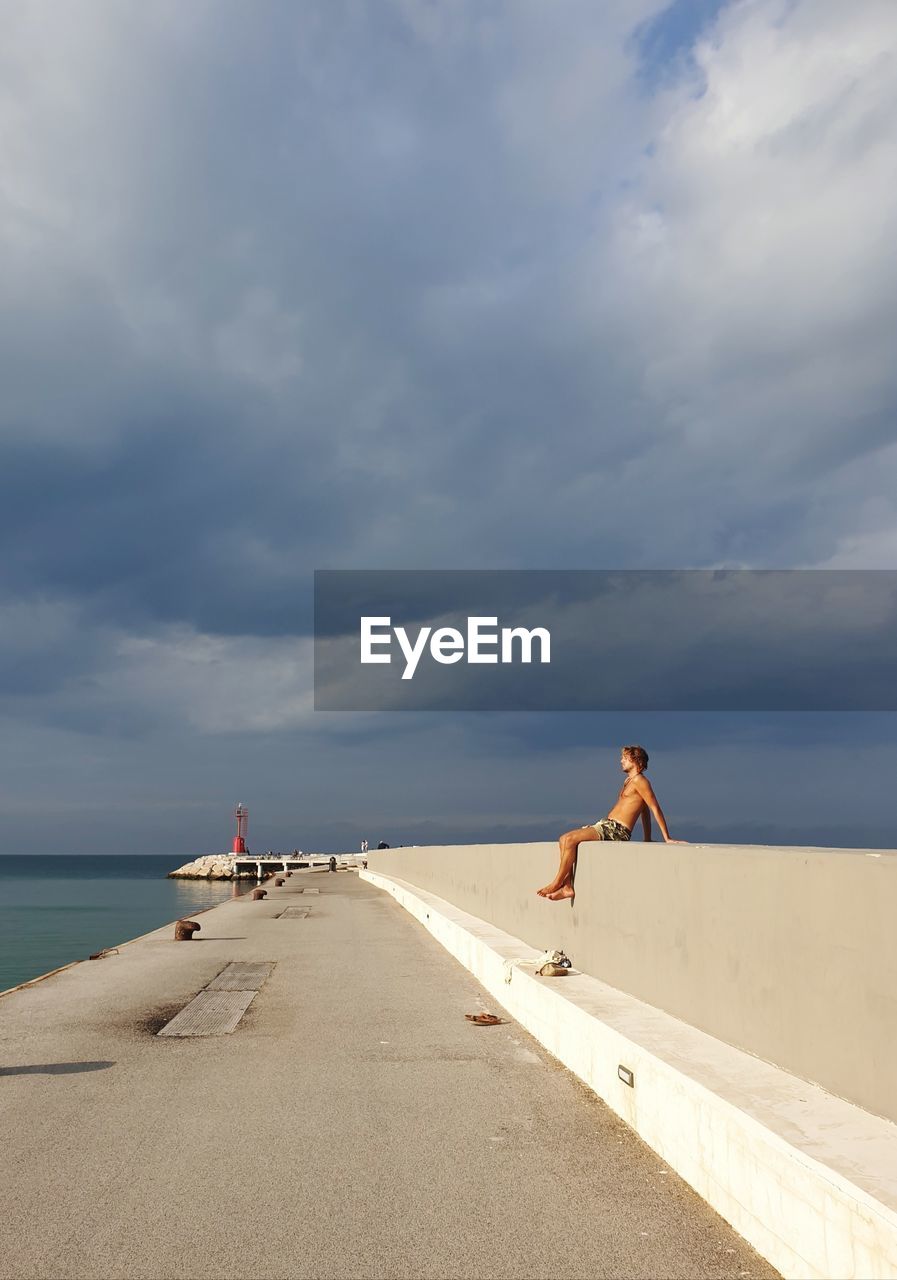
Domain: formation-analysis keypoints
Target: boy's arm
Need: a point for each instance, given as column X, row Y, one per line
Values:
column 646, row 791
column 646, row 822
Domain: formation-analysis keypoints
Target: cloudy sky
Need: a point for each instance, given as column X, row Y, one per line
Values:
column 400, row 284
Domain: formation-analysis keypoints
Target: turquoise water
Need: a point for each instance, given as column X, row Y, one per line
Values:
column 57, row 909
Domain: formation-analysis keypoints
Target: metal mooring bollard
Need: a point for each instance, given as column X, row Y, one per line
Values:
column 289, row 873
column 333, row 864
column 279, row 881
column 185, row 929
column 258, row 894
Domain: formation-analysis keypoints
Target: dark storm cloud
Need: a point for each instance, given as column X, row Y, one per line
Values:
column 313, row 305
column 309, row 297
column 340, row 285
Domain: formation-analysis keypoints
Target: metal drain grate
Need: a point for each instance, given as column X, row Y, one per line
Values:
column 309, row 890
column 241, row 976
column 294, row 913
column 217, row 1010
column 211, row 1013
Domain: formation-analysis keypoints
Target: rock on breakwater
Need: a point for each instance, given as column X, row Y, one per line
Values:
column 215, row 866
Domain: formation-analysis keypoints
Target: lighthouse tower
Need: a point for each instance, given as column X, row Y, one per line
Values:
column 241, row 813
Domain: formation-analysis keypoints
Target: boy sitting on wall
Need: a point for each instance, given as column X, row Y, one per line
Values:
column 636, row 800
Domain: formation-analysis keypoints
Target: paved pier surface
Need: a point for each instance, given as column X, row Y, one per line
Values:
column 353, row 1125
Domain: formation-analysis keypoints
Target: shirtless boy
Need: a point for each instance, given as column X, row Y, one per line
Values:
column 636, row 800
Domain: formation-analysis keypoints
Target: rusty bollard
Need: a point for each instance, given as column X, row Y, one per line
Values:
column 185, row 929
column 289, row 873
column 279, row 881
column 258, row 894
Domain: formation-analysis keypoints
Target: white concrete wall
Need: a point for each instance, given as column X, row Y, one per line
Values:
column 809, row 1179
column 788, row 953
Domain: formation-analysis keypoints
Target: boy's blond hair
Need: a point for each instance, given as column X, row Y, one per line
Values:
column 638, row 756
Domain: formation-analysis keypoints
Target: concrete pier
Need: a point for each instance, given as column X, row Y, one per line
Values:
column 734, row 1004
column 354, row 1124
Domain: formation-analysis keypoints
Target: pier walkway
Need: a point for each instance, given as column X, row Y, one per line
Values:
column 353, row 1125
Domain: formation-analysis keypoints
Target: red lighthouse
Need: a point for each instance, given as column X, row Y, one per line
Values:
column 241, row 813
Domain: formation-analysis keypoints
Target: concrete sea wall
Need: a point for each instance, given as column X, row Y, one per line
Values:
column 788, row 953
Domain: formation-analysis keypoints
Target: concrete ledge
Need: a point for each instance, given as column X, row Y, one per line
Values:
column 787, row 953
column 808, row 1179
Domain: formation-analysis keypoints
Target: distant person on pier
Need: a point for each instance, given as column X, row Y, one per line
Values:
column 364, row 846
column 636, row 800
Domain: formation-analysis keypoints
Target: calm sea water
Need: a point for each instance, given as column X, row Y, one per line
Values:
column 57, row 909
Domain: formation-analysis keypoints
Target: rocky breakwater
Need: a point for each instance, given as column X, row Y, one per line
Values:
column 216, row 866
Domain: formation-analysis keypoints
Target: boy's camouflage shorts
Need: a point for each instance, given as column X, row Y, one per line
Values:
column 610, row 829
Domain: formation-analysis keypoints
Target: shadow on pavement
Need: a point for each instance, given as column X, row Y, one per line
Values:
column 55, row 1068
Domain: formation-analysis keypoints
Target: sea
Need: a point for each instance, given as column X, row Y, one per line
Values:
column 65, row 907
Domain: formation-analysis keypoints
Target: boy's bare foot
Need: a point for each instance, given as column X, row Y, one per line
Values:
column 565, row 891
column 546, row 890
